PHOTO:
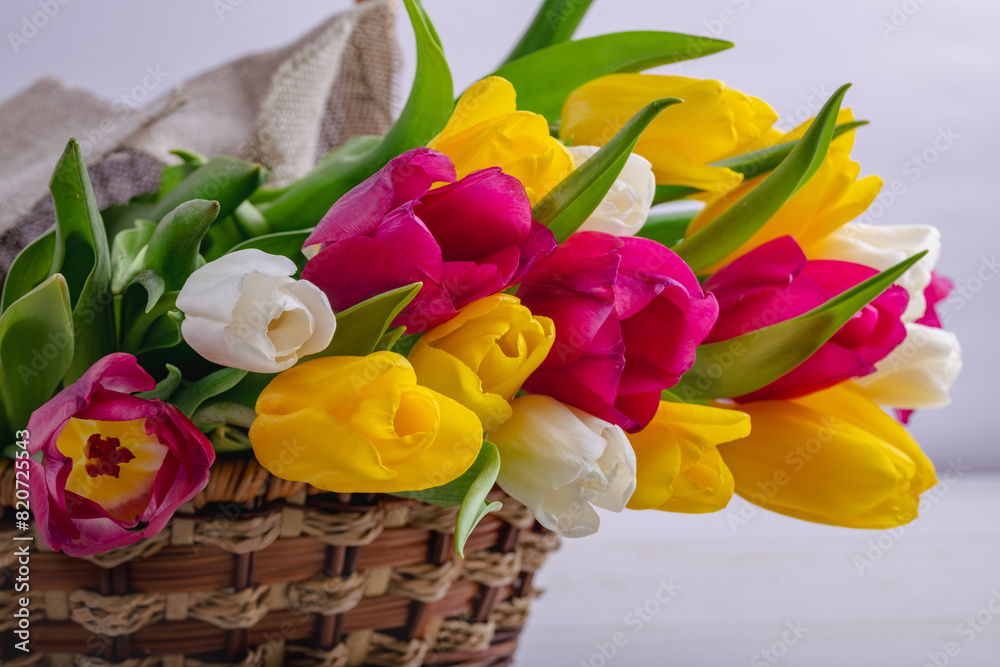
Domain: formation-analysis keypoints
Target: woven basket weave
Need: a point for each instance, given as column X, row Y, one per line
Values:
column 261, row 571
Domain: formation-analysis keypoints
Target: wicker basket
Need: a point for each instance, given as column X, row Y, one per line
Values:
column 261, row 571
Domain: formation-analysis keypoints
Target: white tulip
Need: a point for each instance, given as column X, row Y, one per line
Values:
column 884, row 246
column 918, row 373
column 624, row 210
column 245, row 311
column 560, row 461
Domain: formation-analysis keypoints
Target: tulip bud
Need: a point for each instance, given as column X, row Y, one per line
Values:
column 714, row 122
column 362, row 425
column 831, row 457
column 482, row 356
column 561, row 463
column 624, row 210
column 679, row 466
column 245, row 311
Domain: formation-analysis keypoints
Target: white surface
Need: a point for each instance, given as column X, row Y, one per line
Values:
column 920, row 69
column 859, row 598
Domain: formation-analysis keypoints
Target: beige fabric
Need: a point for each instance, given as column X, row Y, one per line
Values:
column 283, row 108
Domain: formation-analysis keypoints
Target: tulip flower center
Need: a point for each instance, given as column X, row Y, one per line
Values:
column 107, row 455
column 114, row 464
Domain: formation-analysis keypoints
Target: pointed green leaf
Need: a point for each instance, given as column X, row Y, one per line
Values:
column 469, row 491
column 30, row 268
column 191, row 398
column 225, row 180
column 127, row 252
column 570, row 203
column 545, row 78
column 36, row 349
column 758, row 358
column 361, row 327
column 166, row 386
column 390, row 338
column 173, row 250
column 740, row 221
column 554, row 23
column 752, row 164
column 82, row 255
column 427, row 109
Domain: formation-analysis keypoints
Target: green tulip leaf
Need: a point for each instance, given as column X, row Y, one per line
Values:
column 302, row 204
column 666, row 228
column 554, row 23
column 30, row 268
column 570, row 203
column 391, row 337
column 739, row 222
column 545, row 78
column 226, row 180
column 173, row 175
column 213, row 384
column 165, row 387
column 82, row 256
column 287, row 244
column 752, row 164
column 36, row 349
column 127, row 253
column 173, row 250
column 469, row 491
column 738, row 366
column 361, row 327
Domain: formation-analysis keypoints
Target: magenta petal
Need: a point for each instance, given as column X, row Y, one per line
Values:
column 480, row 214
column 830, row 365
column 467, row 281
column 539, row 244
column 938, row 290
column 405, row 178
column 575, row 288
column 775, row 263
column 645, row 268
column 359, row 268
column 836, row 276
column 402, row 231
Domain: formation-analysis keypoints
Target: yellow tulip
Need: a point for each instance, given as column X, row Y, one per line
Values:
column 831, row 198
column 486, row 130
column 831, row 457
column 362, row 425
column 483, row 355
column 678, row 463
column 713, row 122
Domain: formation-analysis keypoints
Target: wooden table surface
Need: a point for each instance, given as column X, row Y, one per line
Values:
column 748, row 587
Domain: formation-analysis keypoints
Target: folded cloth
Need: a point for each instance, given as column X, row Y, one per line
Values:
column 284, row 108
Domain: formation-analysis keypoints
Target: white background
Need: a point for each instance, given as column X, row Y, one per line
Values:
column 919, row 69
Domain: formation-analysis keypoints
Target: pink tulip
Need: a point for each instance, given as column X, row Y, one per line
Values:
column 115, row 467
column 629, row 314
column 775, row 282
column 464, row 240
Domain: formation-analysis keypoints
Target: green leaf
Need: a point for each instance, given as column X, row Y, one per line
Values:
column 127, row 253
column 166, row 386
column 30, row 268
column 82, row 255
column 569, row 203
column 173, row 175
column 741, row 221
column 191, row 398
column 225, row 180
column 469, row 491
column 750, row 164
column 361, row 327
column 287, row 244
column 758, row 358
column 554, row 23
column 173, row 249
column 390, row 338
column 427, row 109
column 36, row 349
column 545, row 78
column 353, row 148
column 667, row 228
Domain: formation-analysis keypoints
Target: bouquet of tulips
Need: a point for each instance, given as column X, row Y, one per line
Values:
column 487, row 295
